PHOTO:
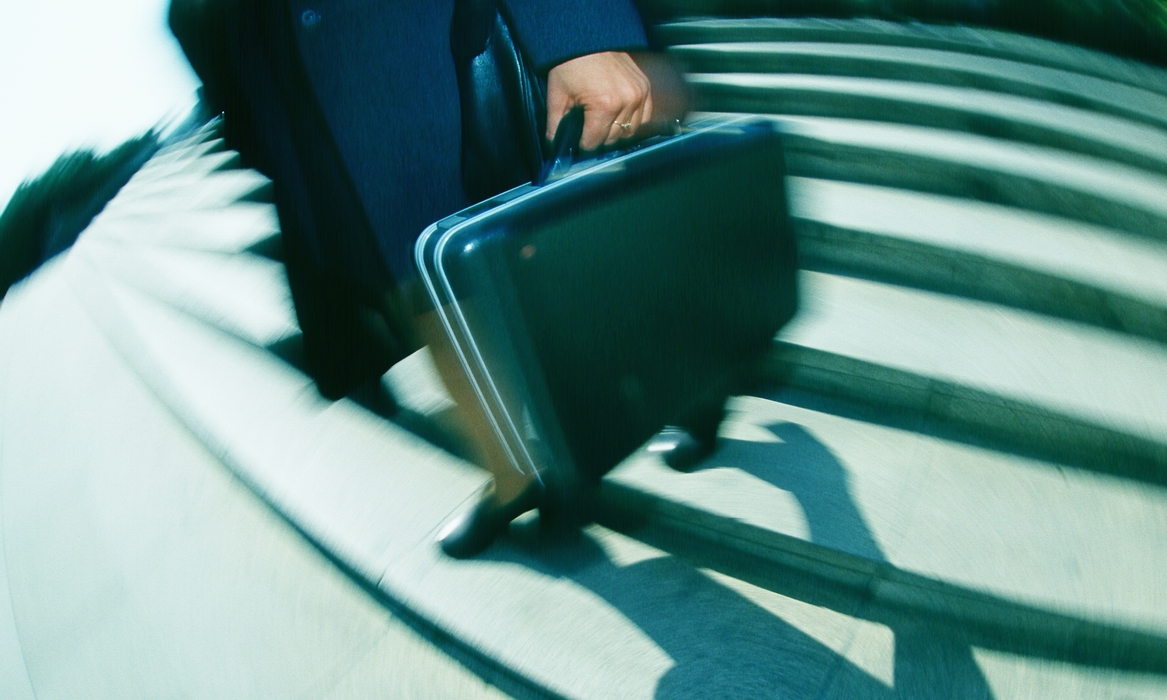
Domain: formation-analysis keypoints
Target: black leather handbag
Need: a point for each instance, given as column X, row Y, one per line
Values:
column 503, row 104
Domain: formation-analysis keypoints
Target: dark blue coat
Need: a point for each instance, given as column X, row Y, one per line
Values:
column 351, row 108
column 383, row 76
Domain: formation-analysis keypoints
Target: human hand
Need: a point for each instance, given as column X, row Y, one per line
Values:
column 615, row 94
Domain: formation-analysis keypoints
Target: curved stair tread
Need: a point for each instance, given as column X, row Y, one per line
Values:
column 975, row 41
column 216, row 198
column 976, row 167
column 1045, row 363
column 245, row 294
column 244, row 182
column 954, row 69
column 136, row 565
column 956, row 110
column 374, row 496
column 901, row 261
column 205, row 142
column 264, row 421
column 948, row 512
column 223, row 191
column 1091, row 255
column 231, row 229
column 1022, row 530
column 353, row 484
column 218, row 160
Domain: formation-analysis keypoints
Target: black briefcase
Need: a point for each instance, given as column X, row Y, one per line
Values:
column 583, row 315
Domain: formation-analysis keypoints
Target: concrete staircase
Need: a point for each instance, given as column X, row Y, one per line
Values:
column 952, row 487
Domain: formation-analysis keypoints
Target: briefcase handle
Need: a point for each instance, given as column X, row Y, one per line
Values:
column 564, row 151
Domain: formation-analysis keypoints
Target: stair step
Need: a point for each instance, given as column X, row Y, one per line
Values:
column 936, row 526
column 230, row 229
column 973, row 41
column 185, row 151
column 151, row 173
column 962, row 532
column 243, row 294
column 604, row 612
column 191, row 175
column 974, row 167
column 953, row 69
column 374, row 496
column 138, row 566
column 959, row 110
column 1054, row 385
column 958, row 246
column 181, row 188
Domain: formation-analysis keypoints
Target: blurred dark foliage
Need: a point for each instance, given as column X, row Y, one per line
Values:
column 46, row 214
column 1131, row 28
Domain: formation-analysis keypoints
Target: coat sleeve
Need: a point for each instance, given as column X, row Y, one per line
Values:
column 554, row 31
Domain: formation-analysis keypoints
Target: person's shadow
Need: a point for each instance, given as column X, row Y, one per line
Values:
column 723, row 644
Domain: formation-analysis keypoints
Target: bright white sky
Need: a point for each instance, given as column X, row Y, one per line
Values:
column 83, row 73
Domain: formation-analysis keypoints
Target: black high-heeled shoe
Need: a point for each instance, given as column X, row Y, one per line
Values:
column 685, row 448
column 474, row 530
column 681, row 450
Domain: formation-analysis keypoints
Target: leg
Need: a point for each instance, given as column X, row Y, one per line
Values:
column 510, row 493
